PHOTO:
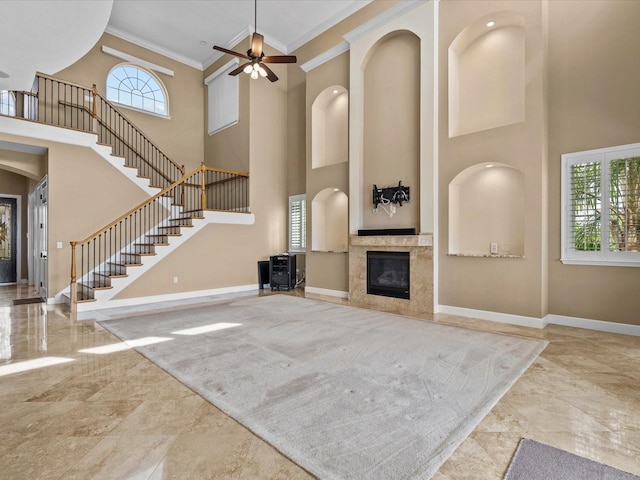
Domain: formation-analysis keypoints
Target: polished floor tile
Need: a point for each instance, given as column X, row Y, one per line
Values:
column 75, row 403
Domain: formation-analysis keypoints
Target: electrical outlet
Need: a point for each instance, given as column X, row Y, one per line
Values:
column 493, row 248
column 175, row 279
column 59, row 244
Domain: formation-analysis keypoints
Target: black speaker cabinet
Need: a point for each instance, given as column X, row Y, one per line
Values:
column 282, row 272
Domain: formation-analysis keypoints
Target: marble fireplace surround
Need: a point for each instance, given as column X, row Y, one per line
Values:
column 420, row 248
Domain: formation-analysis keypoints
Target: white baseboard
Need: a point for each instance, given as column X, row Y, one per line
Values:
column 599, row 325
column 520, row 320
column 129, row 302
column 327, row 292
column 550, row 319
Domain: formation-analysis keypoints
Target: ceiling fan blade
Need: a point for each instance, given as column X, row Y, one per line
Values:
column 231, row 52
column 280, row 59
column 239, row 69
column 257, row 43
column 270, row 75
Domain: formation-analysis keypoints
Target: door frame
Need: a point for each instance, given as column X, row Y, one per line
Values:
column 18, row 198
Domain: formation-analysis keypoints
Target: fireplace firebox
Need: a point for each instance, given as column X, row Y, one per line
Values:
column 388, row 274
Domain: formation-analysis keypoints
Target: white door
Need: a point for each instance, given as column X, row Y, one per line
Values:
column 38, row 237
column 42, row 237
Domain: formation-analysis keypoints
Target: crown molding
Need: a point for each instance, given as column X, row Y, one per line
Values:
column 325, row 56
column 116, row 32
column 231, row 44
column 349, row 10
column 397, row 10
column 232, row 64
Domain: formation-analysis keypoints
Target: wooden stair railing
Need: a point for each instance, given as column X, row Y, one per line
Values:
column 65, row 104
column 123, row 243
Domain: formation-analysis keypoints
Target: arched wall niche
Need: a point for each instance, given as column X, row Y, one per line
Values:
column 329, row 221
column 487, row 74
column 392, row 126
column 330, row 127
column 486, row 205
column 421, row 20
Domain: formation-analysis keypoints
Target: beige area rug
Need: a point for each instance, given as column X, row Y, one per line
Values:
column 344, row 392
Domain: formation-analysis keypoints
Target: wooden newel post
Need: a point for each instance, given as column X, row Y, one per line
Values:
column 203, row 195
column 73, row 288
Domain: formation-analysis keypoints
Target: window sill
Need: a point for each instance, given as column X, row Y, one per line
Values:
column 482, row 255
column 601, row 263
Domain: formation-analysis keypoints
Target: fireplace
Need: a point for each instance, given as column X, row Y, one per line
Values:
column 388, row 274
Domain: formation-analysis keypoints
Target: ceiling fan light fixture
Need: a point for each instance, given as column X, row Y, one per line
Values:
column 257, row 60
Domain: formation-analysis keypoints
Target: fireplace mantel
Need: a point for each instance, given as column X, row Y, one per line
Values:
column 422, row 240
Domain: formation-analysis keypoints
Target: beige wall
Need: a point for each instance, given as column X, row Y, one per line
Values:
column 227, row 255
column 593, row 102
column 392, row 128
column 515, row 286
column 325, row 270
column 181, row 136
column 229, row 148
column 26, row 164
column 581, row 93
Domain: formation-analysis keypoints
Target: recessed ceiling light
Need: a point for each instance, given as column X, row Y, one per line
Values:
column 335, row 91
column 202, row 42
column 488, row 166
column 336, row 189
column 4, row 74
column 490, row 23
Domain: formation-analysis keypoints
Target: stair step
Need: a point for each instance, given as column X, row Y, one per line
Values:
column 162, row 235
column 133, row 258
column 95, row 285
column 124, row 264
column 182, row 222
column 146, row 248
column 173, row 229
column 111, row 275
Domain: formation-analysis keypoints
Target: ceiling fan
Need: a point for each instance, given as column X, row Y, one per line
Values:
column 255, row 55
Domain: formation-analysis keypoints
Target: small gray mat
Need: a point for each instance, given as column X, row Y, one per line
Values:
column 537, row 461
column 26, row 301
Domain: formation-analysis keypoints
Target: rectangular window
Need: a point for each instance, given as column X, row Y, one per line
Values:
column 297, row 223
column 601, row 207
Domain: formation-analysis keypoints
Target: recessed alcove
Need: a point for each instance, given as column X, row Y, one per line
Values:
column 329, row 221
column 330, row 127
column 487, row 74
column 486, row 205
column 392, row 127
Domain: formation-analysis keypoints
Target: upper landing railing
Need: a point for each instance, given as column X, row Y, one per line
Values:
column 64, row 104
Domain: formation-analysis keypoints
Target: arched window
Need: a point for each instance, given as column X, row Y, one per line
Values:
column 137, row 88
column 7, row 103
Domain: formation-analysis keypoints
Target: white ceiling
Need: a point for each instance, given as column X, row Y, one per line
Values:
column 46, row 37
column 176, row 28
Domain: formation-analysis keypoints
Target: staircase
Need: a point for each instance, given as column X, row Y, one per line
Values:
column 107, row 261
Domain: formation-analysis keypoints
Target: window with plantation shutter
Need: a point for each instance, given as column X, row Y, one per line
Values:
column 297, row 223
column 601, row 206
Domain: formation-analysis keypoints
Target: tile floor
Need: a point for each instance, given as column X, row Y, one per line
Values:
column 118, row 416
